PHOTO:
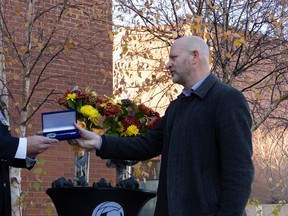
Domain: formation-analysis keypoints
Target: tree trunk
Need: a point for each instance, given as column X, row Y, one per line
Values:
column 14, row 172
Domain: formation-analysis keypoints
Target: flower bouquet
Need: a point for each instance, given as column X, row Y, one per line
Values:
column 104, row 115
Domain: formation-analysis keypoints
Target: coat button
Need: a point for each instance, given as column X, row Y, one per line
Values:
column 4, row 184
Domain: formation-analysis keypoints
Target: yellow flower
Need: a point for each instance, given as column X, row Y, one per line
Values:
column 93, row 94
column 103, row 105
column 90, row 112
column 132, row 130
column 71, row 96
column 110, row 101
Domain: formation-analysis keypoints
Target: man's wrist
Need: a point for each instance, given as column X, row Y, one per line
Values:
column 100, row 143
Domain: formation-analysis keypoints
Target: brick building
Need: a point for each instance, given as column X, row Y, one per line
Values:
column 57, row 45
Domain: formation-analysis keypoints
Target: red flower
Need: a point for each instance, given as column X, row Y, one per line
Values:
column 130, row 120
column 111, row 110
column 146, row 110
column 80, row 94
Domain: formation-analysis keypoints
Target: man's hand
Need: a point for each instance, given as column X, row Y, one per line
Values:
column 88, row 140
column 38, row 144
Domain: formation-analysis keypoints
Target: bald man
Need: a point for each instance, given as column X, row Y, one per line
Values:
column 204, row 139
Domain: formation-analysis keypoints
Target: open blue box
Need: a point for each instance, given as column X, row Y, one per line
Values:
column 60, row 125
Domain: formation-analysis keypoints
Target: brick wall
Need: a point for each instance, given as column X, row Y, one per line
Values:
column 85, row 59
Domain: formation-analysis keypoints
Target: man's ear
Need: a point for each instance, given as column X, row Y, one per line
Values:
column 195, row 56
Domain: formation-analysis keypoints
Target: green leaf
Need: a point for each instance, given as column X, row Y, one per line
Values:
column 48, row 210
column 71, row 104
column 107, row 122
column 79, row 104
column 139, row 115
column 36, row 186
column 38, row 170
column 40, row 160
column 124, row 110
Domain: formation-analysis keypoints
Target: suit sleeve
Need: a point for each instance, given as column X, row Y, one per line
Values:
column 8, row 148
column 141, row 147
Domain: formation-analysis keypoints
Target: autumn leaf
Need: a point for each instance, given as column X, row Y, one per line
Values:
column 237, row 43
column 174, row 34
column 227, row 34
column 188, row 16
column 111, row 36
column 71, row 43
column 35, row 40
column 17, row 131
column 228, row 55
column 37, row 170
column 196, row 27
column 242, row 41
column 40, row 46
column 18, row 11
column 69, row 12
column 26, row 24
column 48, row 210
column 124, row 48
column 36, row 186
column 279, row 182
column 236, row 35
column 16, row 76
column 23, row 50
column 258, row 96
column 198, row 19
column 40, row 160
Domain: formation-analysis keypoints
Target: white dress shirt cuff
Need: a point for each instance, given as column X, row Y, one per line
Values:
column 22, row 149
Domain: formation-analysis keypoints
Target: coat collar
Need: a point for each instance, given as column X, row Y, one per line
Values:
column 204, row 88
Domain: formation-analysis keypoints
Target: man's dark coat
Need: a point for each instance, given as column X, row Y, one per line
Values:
column 205, row 142
column 8, row 148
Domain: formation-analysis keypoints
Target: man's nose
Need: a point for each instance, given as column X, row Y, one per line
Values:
column 168, row 65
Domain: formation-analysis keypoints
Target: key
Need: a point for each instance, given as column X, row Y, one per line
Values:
column 53, row 135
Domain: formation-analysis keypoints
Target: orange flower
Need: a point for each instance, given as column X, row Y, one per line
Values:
column 81, row 124
column 76, row 148
column 99, row 131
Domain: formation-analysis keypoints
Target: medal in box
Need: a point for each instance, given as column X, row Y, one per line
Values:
column 60, row 125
